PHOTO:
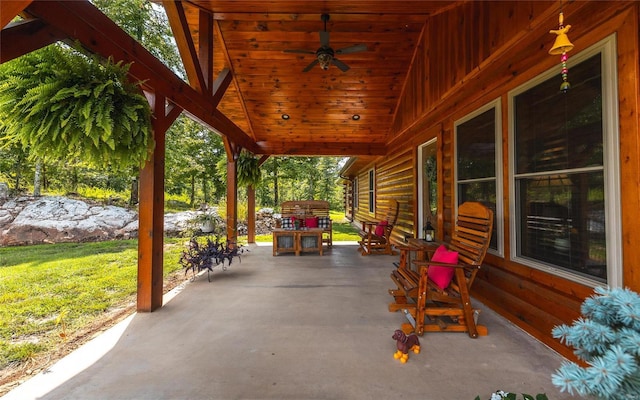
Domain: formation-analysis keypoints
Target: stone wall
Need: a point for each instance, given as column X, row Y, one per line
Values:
column 29, row 220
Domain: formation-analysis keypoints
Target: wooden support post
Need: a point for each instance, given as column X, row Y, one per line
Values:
column 151, row 211
column 251, row 214
column 232, row 200
column 233, row 152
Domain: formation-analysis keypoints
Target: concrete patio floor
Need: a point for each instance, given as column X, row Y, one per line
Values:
column 287, row 327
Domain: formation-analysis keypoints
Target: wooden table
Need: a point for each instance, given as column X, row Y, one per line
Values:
column 297, row 240
column 310, row 240
column 423, row 248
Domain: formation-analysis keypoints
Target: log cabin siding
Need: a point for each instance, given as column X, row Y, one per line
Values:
column 394, row 180
column 444, row 84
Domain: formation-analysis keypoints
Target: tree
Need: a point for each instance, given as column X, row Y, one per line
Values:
column 192, row 155
column 148, row 24
column 607, row 339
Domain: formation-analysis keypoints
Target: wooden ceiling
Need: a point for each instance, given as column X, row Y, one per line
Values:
column 250, row 38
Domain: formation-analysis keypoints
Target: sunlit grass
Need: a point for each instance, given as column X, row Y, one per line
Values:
column 79, row 281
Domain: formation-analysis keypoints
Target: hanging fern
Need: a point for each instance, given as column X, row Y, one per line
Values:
column 248, row 169
column 60, row 103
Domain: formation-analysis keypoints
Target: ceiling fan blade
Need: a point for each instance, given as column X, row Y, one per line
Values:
column 310, row 66
column 343, row 67
column 324, row 38
column 299, row 51
column 352, row 49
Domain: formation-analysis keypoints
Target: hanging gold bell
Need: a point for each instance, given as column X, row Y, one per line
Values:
column 562, row 43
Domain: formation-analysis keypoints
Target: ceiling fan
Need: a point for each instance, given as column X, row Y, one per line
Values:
column 325, row 54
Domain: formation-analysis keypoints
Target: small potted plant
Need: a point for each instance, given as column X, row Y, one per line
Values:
column 206, row 221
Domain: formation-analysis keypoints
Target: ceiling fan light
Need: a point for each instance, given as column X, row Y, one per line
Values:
column 355, row 117
column 325, row 60
column 285, row 117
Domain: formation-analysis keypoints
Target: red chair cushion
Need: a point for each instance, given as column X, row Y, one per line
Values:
column 440, row 275
column 380, row 228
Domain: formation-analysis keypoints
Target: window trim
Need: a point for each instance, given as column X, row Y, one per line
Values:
column 611, row 165
column 421, row 213
column 371, row 191
column 355, row 193
column 499, row 217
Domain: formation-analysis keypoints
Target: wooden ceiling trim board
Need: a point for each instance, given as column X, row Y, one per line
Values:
column 416, row 54
column 225, row 53
column 312, row 17
column 186, row 47
column 99, row 34
column 460, row 92
column 25, row 36
column 326, row 149
column 220, row 86
column 10, row 9
column 205, row 50
column 406, row 7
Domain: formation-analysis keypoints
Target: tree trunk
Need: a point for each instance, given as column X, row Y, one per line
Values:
column 135, row 191
column 192, row 200
column 205, row 188
column 37, row 177
column 275, row 183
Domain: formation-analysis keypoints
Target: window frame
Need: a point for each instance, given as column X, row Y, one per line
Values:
column 355, row 193
column 421, row 212
column 498, row 218
column 611, row 166
column 371, row 191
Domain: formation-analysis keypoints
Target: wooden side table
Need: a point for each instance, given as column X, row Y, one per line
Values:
column 423, row 248
column 297, row 240
column 309, row 240
column 284, row 241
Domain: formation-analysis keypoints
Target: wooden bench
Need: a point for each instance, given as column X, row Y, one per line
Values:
column 303, row 209
column 376, row 235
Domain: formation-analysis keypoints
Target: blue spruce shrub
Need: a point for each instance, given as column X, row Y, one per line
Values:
column 607, row 338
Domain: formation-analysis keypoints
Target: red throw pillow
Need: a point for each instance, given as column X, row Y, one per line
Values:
column 311, row 222
column 442, row 276
column 380, row 228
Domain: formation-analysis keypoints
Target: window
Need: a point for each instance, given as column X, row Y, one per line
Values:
column 564, row 153
column 477, row 162
column 356, row 195
column 372, row 193
column 427, row 184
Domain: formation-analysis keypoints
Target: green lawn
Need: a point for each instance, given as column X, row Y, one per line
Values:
column 48, row 292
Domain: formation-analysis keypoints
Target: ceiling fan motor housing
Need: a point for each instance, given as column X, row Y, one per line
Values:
column 325, row 55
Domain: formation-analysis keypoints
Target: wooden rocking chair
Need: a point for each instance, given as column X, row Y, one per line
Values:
column 449, row 309
column 376, row 236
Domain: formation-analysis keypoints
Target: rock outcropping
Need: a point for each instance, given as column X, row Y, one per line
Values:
column 54, row 219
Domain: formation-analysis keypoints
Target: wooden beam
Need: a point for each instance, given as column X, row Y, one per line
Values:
column 82, row 21
column 26, row 36
column 220, row 86
column 326, row 149
column 251, row 214
column 151, row 214
column 233, row 152
column 184, row 41
column 205, row 49
column 263, row 159
column 10, row 8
